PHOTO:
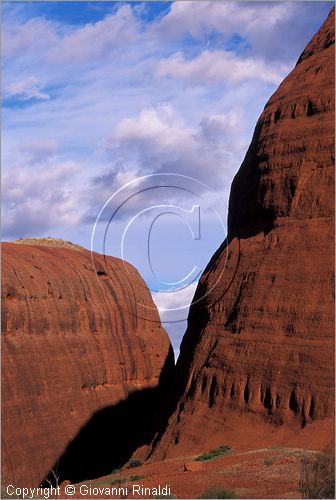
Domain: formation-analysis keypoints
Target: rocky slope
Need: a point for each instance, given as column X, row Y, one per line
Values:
column 79, row 362
column 261, row 344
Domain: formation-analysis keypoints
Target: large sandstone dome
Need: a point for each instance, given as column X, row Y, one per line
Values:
column 261, row 345
column 81, row 361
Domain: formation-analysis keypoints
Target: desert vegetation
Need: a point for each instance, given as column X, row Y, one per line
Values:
column 113, row 481
column 216, row 452
column 215, row 492
column 317, row 475
column 134, row 462
column 166, row 496
column 121, row 480
column 48, row 242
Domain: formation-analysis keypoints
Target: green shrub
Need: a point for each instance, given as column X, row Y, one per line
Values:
column 4, row 493
column 222, row 450
column 118, row 480
column 116, row 471
column 121, row 480
column 218, row 493
column 268, row 461
column 135, row 462
column 317, row 475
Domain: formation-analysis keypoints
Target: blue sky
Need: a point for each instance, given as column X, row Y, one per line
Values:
column 97, row 94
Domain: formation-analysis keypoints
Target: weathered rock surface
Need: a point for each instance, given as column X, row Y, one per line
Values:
column 76, row 345
column 261, row 344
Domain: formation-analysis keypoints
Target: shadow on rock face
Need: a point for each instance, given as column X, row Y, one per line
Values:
column 112, row 435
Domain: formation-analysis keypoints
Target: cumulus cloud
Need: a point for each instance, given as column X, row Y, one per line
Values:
column 92, row 105
column 41, row 199
column 218, row 66
column 214, row 127
column 124, row 109
column 151, row 124
column 174, row 304
column 158, row 140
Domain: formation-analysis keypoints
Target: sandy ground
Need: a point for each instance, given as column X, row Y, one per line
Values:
column 263, row 473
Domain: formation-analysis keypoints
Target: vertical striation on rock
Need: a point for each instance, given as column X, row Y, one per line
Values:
column 81, row 362
column 261, row 344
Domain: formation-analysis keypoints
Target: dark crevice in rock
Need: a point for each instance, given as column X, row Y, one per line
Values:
column 311, row 109
column 293, row 404
column 246, row 392
column 230, row 323
column 276, row 115
column 102, row 273
column 232, row 391
column 312, row 409
column 267, row 399
column 213, row 392
column 204, row 383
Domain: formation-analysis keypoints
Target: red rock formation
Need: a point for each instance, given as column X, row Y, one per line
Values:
column 261, row 344
column 75, row 341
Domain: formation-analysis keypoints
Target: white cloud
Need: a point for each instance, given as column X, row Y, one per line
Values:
column 261, row 24
column 40, row 199
column 20, row 39
column 96, row 40
column 151, row 124
column 91, row 95
column 54, row 43
column 218, row 66
column 214, row 127
column 158, row 140
column 39, row 150
column 101, row 103
column 173, row 318
column 171, row 303
column 25, row 89
column 199, row 18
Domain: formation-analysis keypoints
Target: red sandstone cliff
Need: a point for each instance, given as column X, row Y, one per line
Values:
column 261, row 344
column 75, row 344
